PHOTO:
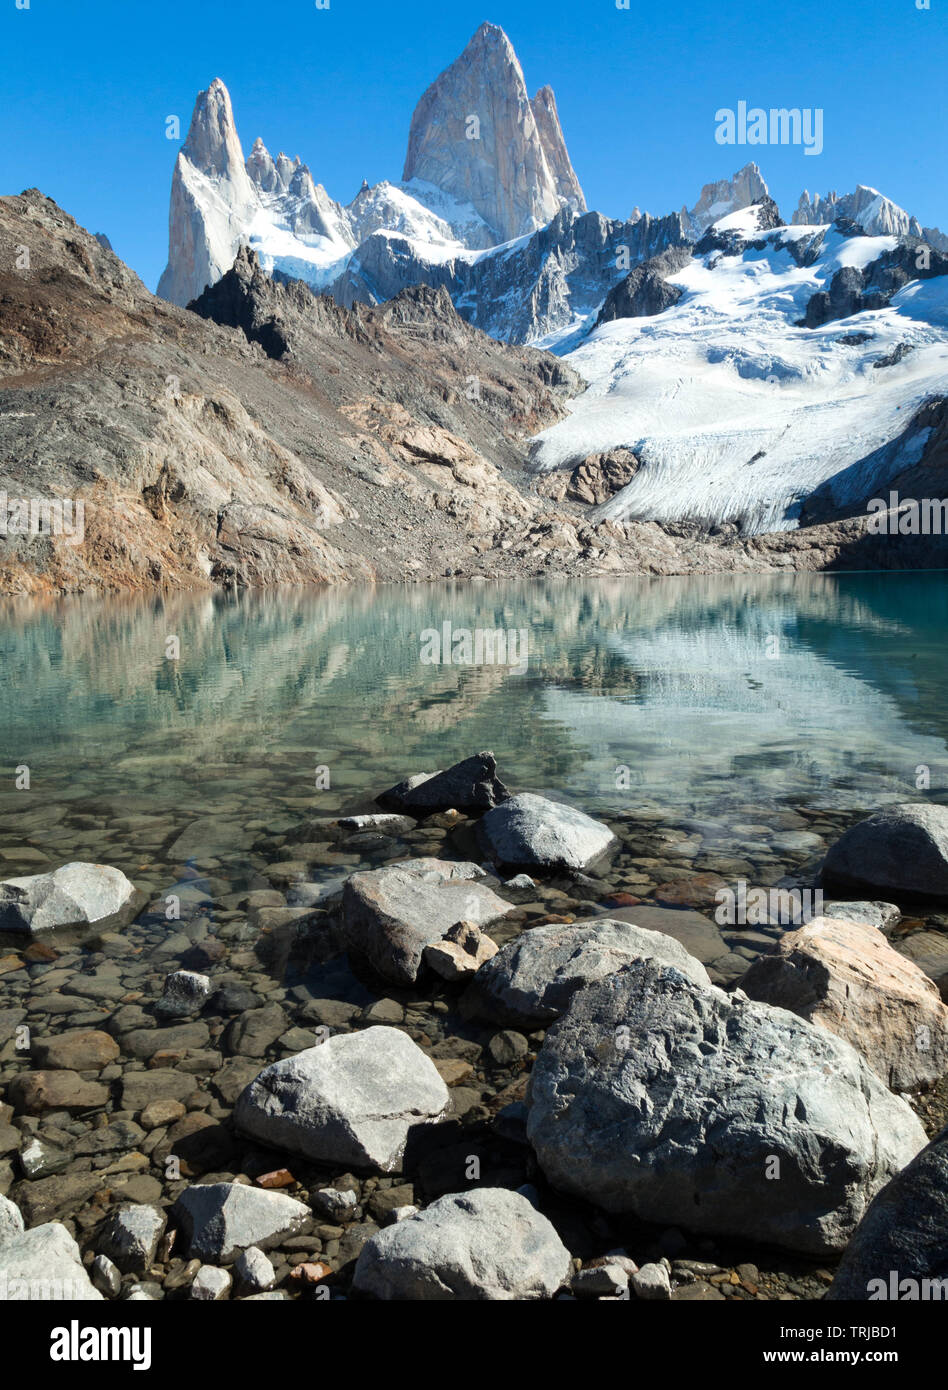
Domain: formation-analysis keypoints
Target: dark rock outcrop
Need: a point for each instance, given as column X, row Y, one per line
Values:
column 645, row 290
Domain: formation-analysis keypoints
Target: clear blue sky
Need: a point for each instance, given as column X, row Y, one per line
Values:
column 86, row 85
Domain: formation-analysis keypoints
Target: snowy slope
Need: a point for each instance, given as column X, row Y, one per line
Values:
column 734, row 411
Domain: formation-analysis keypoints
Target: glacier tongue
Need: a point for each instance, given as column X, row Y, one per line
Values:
column 734, row 411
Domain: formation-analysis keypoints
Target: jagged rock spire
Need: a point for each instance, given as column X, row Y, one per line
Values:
column 475, row 133
column 212, row 197
column 554, row 147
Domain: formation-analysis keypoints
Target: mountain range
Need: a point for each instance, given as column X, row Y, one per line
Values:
column 489, row 206
column 467, row 373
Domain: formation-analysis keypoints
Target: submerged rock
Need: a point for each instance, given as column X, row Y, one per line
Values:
column 846, row 977
column 675, row 1103
column 487, row 1244
column 32, row 1092
column 929, row 951
column 530, row 982
column 353, row 1100
column 530, row 832
column 901, row 849
column 72, row 895
column 78, row 1049
column 390, row 915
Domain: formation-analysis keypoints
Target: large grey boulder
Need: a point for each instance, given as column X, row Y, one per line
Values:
column 904, row 1232
column 700, row 935
column 530, row 981
column 674, row 1103
column 390, row 915
column 222, row 1219
column 11, row 1220
column 352, row 1101
column 529, row 832
column 70, row 896
column 44, row 1265
column 901, row 849
column 471, row 785
column 485, row 1244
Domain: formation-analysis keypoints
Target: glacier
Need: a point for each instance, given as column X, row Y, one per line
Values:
column 735, row 411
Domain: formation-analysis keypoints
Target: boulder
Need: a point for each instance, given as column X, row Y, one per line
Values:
column 656, row 1097
column 652, row 1282
column 901, row 849
column 469, row 786
column 460, row 953
column 130, row 1237
column 901, row 1244
column 390, row 915
column 210, row 1284
column 44, row 1264
column 222, row 1219
column 487, row 1244
column 352, row 1101
column 253, row 1271
column 530, row 981
column 11, row 1220
column 531, row 833
column 846, row 977
column 72, row 895
column 700, row 936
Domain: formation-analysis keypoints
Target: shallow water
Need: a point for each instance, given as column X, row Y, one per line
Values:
column 698, row 697
column 749, row 719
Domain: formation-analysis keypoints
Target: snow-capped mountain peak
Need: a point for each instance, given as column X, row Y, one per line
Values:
column 485, row 165
column 726, row 195
column 869, row 209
